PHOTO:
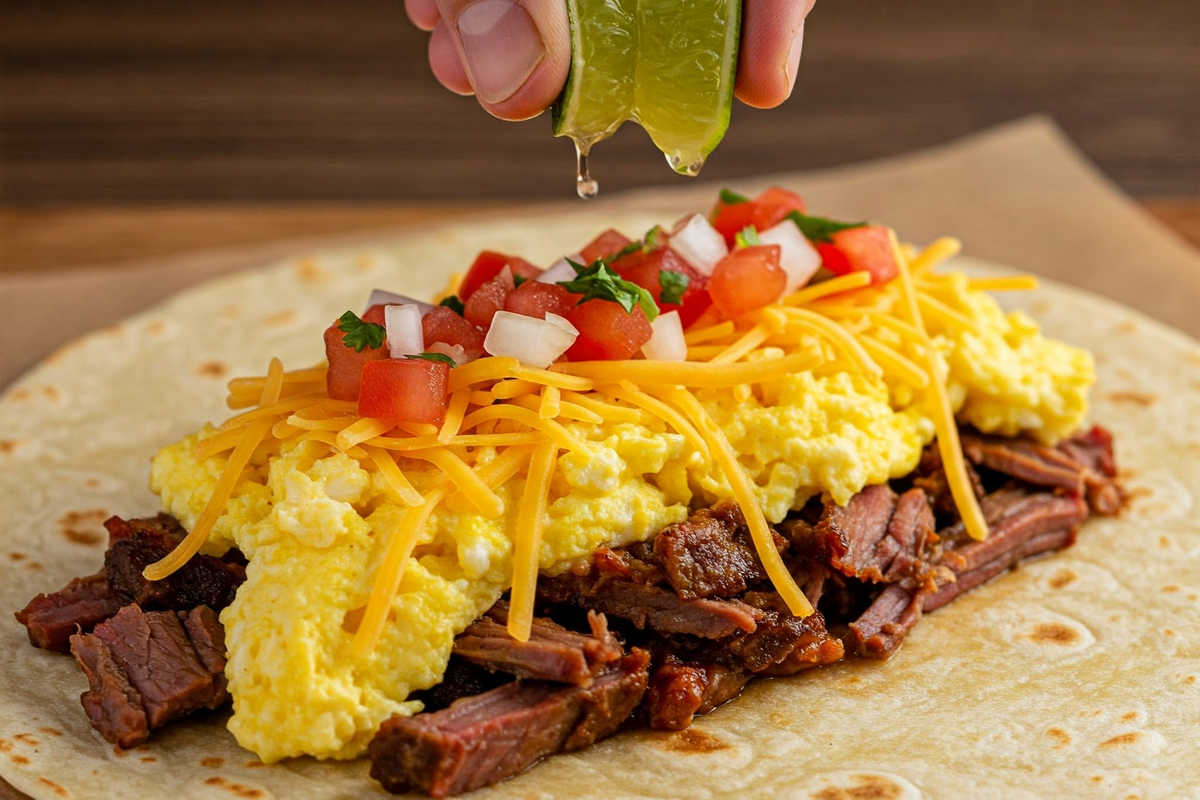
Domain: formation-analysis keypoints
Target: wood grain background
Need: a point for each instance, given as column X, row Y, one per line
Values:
column 140, row 101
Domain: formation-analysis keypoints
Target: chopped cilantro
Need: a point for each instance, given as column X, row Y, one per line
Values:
column 359, row 334
column 599, row 282
column 673, row 284
column 445, row 359
column 650, row 240
column 732, row 198
column 454, row 304
column 818, row 229
column 748, row 237
column 518, row 280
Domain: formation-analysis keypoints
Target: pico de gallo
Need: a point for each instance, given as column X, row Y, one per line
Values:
column 618, row 298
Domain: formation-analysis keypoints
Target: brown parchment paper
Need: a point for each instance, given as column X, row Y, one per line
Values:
column 1019, row 194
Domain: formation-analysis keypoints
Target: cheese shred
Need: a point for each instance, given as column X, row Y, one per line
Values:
column 531, row 517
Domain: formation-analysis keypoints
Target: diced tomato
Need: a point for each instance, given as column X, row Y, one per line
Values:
column 536, row 300
column 747, row 279
column 607, row 332
column 866, row 249
column 488, row 265
column 483, row 303
column 606, row 244
column 345, row 365
column 376, row 314
column 404, row 390
column 765, row 211
column 644, row 268
column 443, row 325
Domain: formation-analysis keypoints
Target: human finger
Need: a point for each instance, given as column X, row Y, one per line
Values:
column 423, row 13
column 772, row 37
column 445, row 62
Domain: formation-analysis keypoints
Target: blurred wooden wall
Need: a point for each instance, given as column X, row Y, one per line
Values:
column 132, row 101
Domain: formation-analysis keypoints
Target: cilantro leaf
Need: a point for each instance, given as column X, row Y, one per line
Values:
column 599, row 282
column 748, row 237
column 454, row 304
column 650, row 240
column 819, row 230
column 360, row 334
column 732, row 198
column 673, row 284
column 518, row 280
column 445, row 359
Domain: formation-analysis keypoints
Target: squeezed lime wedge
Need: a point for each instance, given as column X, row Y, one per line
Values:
column 667, row 65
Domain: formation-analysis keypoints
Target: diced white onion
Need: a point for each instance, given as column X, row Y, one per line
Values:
column 562, row 322
column 799, row 259
column 698, row 243
column 560, row 270
column 404, row 334
column 533, row 342
column 667, row 342
column 455, row 352
column 381, row 298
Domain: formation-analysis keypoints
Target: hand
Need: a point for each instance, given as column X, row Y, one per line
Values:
column 514, row 55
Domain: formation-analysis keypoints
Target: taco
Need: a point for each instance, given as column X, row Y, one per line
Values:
column 814, row 410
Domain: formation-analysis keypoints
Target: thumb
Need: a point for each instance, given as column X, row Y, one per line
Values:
column 516, row 53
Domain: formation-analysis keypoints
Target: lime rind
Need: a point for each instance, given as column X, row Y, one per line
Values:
column 666, row 65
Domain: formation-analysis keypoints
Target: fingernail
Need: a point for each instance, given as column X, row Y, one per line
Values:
column 793, row 59
column 501, row 46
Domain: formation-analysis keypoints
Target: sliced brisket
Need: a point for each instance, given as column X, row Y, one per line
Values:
column 1093, row 450
column 51, row 619
column 136, row 544
column 145, row 669
column 552, row 653
column 484, row 739
column 681, row 689
column 711, row 554
column 850, row 535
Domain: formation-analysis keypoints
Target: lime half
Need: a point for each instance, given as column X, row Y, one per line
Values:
column 665, row 64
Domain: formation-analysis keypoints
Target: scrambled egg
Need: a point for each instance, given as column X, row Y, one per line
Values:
column 312, row 521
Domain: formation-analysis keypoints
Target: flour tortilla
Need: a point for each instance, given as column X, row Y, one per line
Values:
column 1078, row 675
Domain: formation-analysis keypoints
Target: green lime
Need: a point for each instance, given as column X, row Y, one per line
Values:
column 665, row 64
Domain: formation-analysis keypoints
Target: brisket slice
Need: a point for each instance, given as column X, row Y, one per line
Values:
column 930, row 475
column 1022, row 525
column 552, row 653
column 680, row 689
column 1093, row 451
column 620, row 585
column 145, row 669
column 484, row 739
column 711, row 554
column 850, row 535
column 51, row 619
column 136, row 544
column 1027, row 461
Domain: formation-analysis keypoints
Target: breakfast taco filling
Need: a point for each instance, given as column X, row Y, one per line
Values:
column 611, row 492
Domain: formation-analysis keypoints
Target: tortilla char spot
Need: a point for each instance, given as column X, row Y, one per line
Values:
column 1123, row 740
column 17, row 556
column 149, row 759
column 1127, row 326
column 19, row 759
column 212, row 369
column 8, row 446
column 21, row 395
column 279, row 319
column 693, row 741
column 1129, row 717
column 1062, row 578
column 51, row 731
column 1194, row 597
column 1169, row 632
column 1097, row 779
column 866, row 787
column 1061, row 738
column 1164, row 541
column 5, row 745
column 776, row 718
column 156, row 328
column 54, row 787
column 1040, row 307
column 1146, row 399
column 35, row 566
column 217, row 781
column 51, row 393
column 255, row 764
column 213, row 762
column 309, row 271
column 1172, row 588
column 1194, row 358
column 25, row 738
column 1053, row 633
column 81, row 527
